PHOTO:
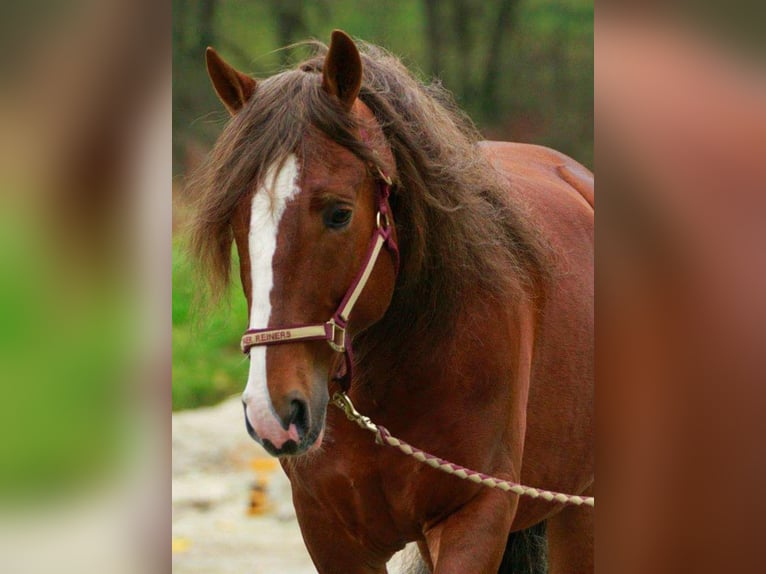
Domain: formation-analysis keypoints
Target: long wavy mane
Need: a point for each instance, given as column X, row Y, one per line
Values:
column 459, row 232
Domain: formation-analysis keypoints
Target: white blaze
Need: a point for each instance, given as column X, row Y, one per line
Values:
column 268, row 206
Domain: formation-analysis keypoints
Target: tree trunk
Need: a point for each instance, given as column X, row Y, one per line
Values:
column 503, row 27
column 291, row 26
column 462, row 77
column 434, row 36
column 206, row 24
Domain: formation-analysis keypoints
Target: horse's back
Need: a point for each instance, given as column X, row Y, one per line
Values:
column 557, row 195
column 541, row 164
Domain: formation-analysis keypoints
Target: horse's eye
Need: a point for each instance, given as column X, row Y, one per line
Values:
column 337, row 217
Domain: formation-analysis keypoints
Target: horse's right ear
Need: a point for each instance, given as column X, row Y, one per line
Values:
column 233, row 88
column 342, row 69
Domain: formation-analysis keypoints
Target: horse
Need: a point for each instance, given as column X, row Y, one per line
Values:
column 459, row 271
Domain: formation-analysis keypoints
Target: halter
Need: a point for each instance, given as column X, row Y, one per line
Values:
column 334, row 330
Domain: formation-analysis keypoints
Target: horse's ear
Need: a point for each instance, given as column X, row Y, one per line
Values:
column 342, row 70
column 233, row 88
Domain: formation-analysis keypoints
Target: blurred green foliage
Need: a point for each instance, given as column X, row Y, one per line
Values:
column 207, row 363
column 541, row 51
column 522, row 69
column 66, row 341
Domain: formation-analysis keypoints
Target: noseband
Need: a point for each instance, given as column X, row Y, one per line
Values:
column 334, row 330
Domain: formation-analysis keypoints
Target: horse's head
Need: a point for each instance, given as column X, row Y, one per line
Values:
column 303, row 235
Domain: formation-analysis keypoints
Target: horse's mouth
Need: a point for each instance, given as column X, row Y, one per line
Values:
column 290, row 447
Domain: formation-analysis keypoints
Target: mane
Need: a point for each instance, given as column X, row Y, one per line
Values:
column 459, row 233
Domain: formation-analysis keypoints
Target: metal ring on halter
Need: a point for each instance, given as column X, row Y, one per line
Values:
column 383, row 176
column 385, row 219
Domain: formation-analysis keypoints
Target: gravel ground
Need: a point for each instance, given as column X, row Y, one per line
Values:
column 215, row 465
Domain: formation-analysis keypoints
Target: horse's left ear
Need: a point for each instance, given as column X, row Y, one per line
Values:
column 342, row 70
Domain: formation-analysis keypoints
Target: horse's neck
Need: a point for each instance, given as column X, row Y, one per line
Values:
column 488, row 350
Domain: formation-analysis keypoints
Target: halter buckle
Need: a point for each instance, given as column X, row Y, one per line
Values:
column 337, row 338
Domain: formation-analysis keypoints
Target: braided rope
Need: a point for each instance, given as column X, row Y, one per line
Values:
column 383, row 437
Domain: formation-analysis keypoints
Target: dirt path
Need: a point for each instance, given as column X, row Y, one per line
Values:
column 215, row 465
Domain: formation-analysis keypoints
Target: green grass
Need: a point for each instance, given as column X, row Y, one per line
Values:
column 207, row 363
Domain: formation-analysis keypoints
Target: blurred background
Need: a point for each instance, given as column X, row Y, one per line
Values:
column 522, row 69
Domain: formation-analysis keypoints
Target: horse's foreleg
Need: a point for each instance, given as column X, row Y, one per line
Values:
column 333, row 549
column 333, row 552
column 473, row 538
column 339, row 554
column 570, row 541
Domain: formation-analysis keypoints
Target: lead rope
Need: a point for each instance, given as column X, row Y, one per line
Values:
column 382, row 436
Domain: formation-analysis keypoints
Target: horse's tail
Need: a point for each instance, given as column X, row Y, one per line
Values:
column 526, row 552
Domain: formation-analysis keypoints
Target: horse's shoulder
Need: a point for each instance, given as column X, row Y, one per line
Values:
column 535, row 163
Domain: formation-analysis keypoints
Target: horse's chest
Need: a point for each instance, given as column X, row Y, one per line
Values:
column 377, row 495
column 348, row 494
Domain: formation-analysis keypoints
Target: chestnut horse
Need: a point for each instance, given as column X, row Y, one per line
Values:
column 472, row 330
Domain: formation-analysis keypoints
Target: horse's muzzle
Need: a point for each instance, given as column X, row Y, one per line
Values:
column 298, row 418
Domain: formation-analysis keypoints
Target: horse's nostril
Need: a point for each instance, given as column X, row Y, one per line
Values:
column 298, row 415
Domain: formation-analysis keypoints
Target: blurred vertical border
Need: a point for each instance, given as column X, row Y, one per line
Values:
column 85, row 257
column 680, row 99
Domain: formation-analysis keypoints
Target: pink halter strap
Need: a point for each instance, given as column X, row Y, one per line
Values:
column 334, row 330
